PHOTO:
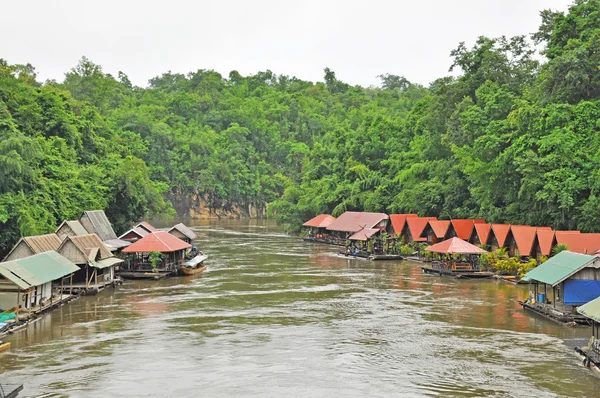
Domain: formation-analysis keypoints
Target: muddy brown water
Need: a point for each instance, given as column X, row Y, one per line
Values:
column 274, row 316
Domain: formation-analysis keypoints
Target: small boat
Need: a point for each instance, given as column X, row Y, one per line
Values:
column 4, row 346
column 194, row 266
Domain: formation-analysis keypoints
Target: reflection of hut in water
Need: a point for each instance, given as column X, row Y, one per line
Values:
column 574, row 280
column 148, row 307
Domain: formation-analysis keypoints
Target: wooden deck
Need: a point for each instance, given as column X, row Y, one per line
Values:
column 464, row 274
column 555, row 315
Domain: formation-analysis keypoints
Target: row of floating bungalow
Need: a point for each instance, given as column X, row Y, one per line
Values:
column 85, row 256
column 565, row 288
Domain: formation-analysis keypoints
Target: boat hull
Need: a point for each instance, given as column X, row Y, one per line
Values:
column 192, row 271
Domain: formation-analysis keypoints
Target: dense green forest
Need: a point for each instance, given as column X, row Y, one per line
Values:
column 512, row 137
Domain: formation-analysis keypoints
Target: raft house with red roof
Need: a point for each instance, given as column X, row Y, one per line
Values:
column 317, row 229
column 157, row 255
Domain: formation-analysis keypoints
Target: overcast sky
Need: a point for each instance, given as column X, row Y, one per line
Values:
column 357, row 39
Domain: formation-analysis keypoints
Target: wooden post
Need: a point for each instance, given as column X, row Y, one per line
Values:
column 71, row 285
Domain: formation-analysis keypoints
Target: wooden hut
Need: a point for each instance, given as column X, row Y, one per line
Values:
column 96, row 263
column 134, row 234
column 351, row 222
column 139, row 265
column 436, row 231
column 498, row 236
column 96, row 222
column 28, row 282
column 397, row 224
column 182, row 232
column 414, row 228
column 481, row 234
column 30, row 245
column 574, row 279
column 521, row 240
column 317, row 228
column 146, row 226
column 70, row 228
column 545, row 240
column 463, row 228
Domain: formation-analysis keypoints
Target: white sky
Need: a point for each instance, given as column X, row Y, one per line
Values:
column 357, row 39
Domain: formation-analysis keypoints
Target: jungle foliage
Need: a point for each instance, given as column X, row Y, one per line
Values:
column 509, row 139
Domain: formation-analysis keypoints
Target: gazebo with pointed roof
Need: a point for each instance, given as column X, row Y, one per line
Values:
column 172, row 249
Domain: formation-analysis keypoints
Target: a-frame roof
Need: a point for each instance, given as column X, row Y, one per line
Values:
column 501, row 231
column 416, row 225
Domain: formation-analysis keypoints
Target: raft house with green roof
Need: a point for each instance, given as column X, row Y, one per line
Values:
column 35, row 283
column 572, row 279
column 590, row 353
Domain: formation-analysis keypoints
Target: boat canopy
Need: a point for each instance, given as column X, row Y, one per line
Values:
column 455, row 246
column 559, row 268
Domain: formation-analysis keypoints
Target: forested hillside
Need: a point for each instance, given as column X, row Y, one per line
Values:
column 514, row 138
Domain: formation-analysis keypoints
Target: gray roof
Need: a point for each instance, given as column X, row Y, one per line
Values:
column 102, row 226
column 184, row 230
column 75, row 226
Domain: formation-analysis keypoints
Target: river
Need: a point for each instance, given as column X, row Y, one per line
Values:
column 274, row 316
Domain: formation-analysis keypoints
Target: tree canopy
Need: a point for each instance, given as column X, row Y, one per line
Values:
column 513, row 137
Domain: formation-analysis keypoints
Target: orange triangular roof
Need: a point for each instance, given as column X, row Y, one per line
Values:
column 416, row 225
column 501, row 233
column 320, row 221
column 483, row 232
column 464, row 228
column 439, row 227
column 159, row 241
column 455, row 245
column 524, row 236
column 545, row 237
column 399, row 221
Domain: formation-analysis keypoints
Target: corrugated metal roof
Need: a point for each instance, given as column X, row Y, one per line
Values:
column 102, row 226
column 75, row 226
column 524, row 236
column 483, row 232
column 43, row 243
column 545, row 239
column 86, row 242
column 159, row 241
column 135, row 232
column 107, row 262
column 37, row 269
column 416, row 225
column 464, row 228
column 501, row 231
column 145, row 225
column 591, row 309
column 115, row 244
column 364, row 234
column 559, row 268
column 398, row 221
column 455, row 246
column 320, row 221
column 353, row 221
column 184, row 230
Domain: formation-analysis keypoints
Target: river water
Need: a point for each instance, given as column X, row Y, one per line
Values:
column 274, row 316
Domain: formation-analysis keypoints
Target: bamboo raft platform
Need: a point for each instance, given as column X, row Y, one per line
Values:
column 560, row 317
column 463, row 274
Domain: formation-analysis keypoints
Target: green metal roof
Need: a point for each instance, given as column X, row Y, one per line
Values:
column 558, row 268
column 37, row 270
column 107, row 262
column 591, row 309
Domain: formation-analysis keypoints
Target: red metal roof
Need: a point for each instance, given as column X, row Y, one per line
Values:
column 578, row 242
column 545, row 237
column 483, row 232
column 399, row 221
column 320, row 221
column 416, row 225
column 159, row 241
column 464, row 228
column 364, row 234
column 439, row 227
column 500, row 231
column 353, row 221
column 455, row 245
column 524, row 236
